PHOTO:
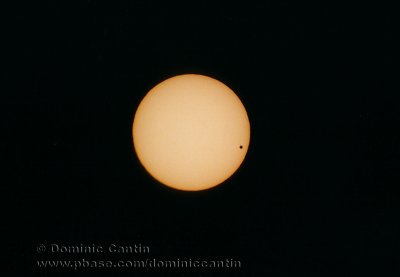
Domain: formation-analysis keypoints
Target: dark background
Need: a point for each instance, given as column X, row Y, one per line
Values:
column 317, row 194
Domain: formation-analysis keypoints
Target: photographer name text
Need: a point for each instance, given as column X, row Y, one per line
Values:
column 94, row 248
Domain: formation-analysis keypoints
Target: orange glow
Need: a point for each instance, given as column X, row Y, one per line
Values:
column 191, row 132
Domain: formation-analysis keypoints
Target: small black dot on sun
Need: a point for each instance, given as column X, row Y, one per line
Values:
column 241, row 146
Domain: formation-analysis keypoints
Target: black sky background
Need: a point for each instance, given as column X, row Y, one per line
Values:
column 317, row 194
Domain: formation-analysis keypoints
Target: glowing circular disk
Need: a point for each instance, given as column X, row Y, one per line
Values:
column 191, row 132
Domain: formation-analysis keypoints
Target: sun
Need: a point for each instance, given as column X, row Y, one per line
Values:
column 191, row 132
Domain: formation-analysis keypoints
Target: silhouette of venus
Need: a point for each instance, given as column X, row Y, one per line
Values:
column 191, row 132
